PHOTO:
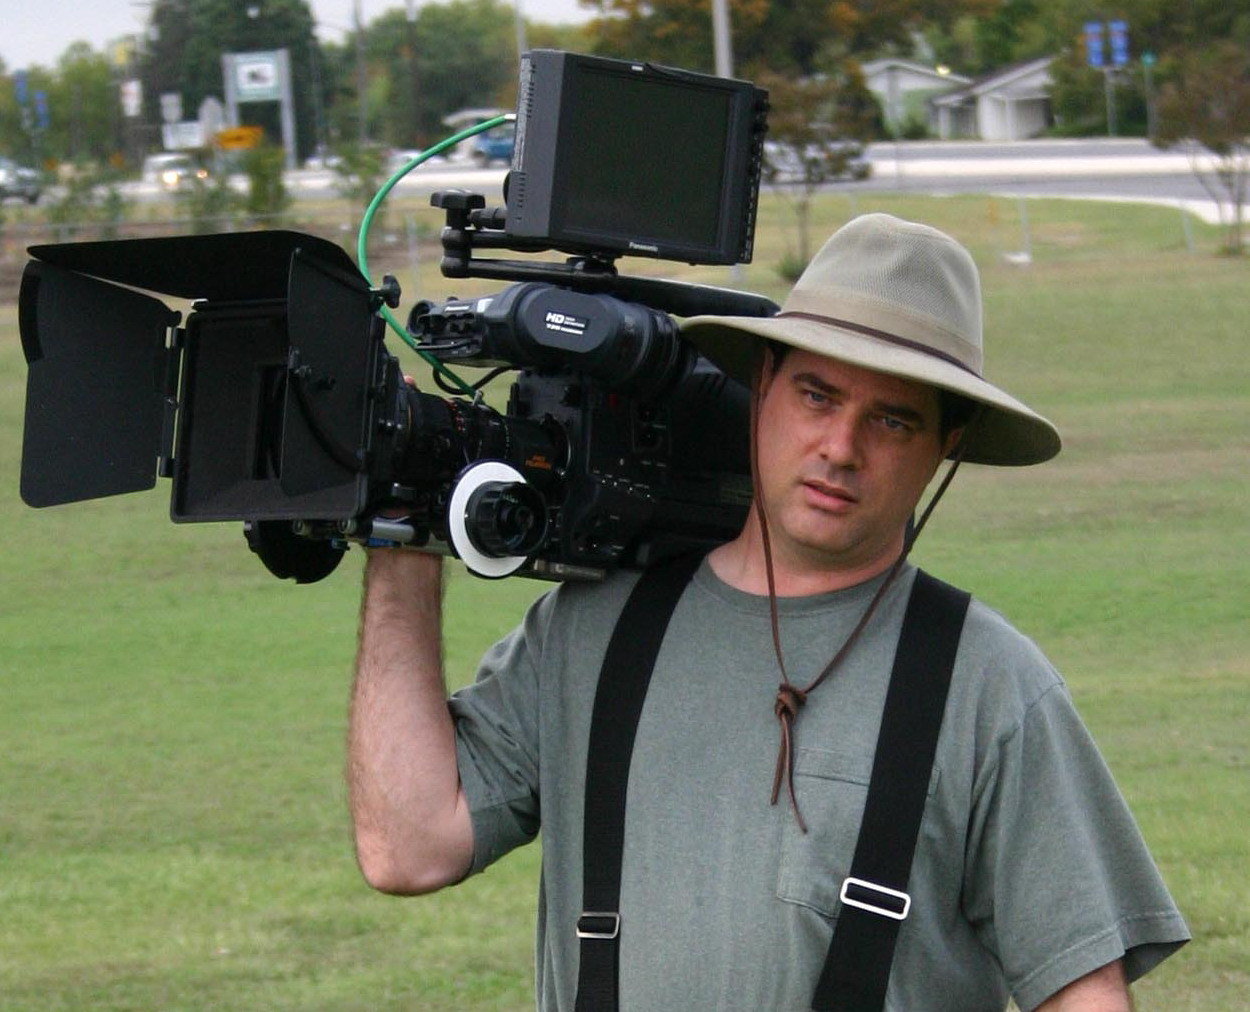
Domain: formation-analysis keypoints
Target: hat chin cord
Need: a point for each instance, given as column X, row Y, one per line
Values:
column 790, row 698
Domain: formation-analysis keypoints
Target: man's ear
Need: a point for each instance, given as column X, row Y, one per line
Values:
column 952, row 442
column 765, row 370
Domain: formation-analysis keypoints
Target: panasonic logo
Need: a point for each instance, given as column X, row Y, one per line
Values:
column 643, row 246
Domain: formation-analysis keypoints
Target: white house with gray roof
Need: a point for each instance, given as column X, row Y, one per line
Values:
column 1008, row 105
column 904, row 88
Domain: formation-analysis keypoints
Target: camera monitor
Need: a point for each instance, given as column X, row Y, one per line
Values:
column 638, row 159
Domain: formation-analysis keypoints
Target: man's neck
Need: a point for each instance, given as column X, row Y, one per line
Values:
column 740, row 563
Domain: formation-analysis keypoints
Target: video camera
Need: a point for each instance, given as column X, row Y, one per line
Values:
column 278, row 404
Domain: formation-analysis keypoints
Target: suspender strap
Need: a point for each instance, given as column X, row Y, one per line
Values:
column 874, row 897
column 622, row 689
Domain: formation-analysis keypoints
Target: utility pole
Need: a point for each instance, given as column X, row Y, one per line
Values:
column 722, row 45
column 521, row 43
column 1109, row 88
column 1147, row 63
column 722, row 50
column 414, row 90
column 362, row 81
column 319, row 115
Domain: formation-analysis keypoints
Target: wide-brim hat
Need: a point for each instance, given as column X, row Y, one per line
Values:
column 899, row 298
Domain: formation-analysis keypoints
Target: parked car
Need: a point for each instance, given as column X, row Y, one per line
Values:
column 172, row 170
column 400, row 157
column 322, row 160
column 783, row 164
column 495, row 145
column 19, row 181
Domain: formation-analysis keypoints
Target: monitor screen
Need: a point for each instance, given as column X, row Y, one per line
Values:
column 632, row 158
column 650, row 158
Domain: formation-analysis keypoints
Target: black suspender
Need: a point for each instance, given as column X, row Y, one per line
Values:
column 874, row 898
column 623, row 682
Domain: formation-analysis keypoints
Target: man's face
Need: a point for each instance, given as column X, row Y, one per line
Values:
column 844, row 456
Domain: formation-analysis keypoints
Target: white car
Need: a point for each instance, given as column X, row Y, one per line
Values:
column 397, row 159
column 19, row 181
column 784, row 164
column 322, row 161
column 172, row 170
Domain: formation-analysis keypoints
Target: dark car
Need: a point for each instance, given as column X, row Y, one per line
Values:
column 494, row 145
column 19, row 181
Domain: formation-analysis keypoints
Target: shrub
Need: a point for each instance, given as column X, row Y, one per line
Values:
column 267, row 195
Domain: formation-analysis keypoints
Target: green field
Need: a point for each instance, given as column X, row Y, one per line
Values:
column 173, row 831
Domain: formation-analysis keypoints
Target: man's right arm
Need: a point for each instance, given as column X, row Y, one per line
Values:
column 413, row 831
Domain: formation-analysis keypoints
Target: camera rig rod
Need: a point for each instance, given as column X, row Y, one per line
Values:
column 471, row 225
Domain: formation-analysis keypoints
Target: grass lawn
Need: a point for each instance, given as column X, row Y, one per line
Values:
column 173, row 832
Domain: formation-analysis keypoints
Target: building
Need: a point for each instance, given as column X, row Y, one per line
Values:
column 1008, row 105
column 904, row 88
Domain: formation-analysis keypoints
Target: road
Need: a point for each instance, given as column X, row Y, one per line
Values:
column 436, row 174
column 1098, row 168
column 1101, row 168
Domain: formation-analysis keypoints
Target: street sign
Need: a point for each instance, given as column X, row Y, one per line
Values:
column 184, row 136
column 171, row 106
column 258, row 77
column 212, row 116
column 261, row 77
column 240, row 138
column 42, row 119
column 1093, row 43
column 132, row 98
column 21, row 87
column 1117, row 32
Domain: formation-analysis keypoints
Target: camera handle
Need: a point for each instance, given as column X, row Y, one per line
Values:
column 470, row 225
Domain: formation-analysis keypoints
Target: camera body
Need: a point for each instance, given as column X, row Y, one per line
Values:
column 633, row 446
column 277, row 403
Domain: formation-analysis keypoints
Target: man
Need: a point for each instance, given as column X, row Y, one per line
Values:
column 1029, row 877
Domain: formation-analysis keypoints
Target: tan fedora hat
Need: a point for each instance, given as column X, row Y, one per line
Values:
column 900, row 298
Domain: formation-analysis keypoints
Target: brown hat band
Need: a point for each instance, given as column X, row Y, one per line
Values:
column 881, row 335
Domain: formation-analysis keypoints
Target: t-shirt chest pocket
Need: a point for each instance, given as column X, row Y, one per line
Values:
column 832, row 788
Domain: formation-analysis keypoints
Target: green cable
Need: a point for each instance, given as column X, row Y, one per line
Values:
column 362, row 240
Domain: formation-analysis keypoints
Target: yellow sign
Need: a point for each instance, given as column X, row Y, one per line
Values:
column 240, row 138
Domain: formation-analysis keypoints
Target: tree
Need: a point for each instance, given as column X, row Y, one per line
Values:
column 463, row 54
column 84, row 121
column 816, row 129
column 452, row 55
column 791, row 36
column 1012, row 32
column 188, row 37
column 84, row 113
column 675, row 33
column 1161, row 27
column 1205, row 109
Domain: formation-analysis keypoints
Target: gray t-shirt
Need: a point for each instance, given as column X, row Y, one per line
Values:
column 1029, row 871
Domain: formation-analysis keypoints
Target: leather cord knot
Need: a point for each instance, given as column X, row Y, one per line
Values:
column 790, row 699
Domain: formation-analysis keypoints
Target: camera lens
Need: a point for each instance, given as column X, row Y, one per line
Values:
column 506, row 519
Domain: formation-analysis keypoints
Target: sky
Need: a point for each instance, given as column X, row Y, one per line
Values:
column 38, row 31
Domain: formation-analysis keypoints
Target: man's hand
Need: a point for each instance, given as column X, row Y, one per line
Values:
column 1104, row 990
